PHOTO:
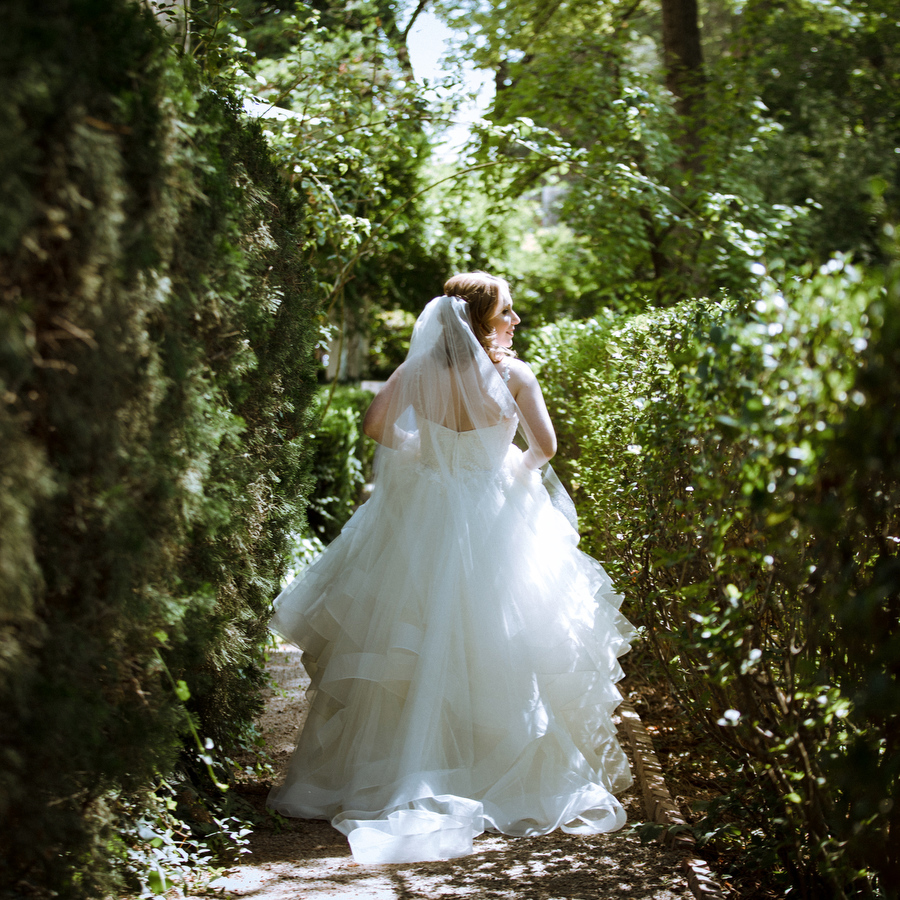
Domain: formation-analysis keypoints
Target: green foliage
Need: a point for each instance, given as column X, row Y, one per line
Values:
column 332, row 86
column 173, row 836
column 828, row 75
column 794, row 119
column 156, row 359
column 543, row 259
column 347, row 122
column 739, row 477
column 342, row 460
column 583, row 116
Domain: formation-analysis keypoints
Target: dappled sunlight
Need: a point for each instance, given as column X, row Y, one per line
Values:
column 551, row 866
column 298, row 858
column 221, row 221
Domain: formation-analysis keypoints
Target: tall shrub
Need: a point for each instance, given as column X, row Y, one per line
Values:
column 739, row 472
column 156, row 344
column 342, row 459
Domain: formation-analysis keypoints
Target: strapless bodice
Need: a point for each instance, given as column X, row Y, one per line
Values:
column 478, row 450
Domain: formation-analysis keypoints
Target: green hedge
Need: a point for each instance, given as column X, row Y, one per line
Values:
column 740, row 475
column 156, row 341
column 342, row 459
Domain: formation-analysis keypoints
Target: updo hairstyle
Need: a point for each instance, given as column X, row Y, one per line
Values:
column 482, row 292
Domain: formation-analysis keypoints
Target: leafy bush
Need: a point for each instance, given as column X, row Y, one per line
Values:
column 342, row 459
column 156, row 342
column 739, row 473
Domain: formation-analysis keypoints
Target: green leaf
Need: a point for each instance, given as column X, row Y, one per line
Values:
column 156, row 881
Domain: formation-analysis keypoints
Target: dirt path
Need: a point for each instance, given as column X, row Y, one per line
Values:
column 304, row 859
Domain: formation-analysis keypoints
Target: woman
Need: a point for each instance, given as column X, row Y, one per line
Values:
column 462, row 650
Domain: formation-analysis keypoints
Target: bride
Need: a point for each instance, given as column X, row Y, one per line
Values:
column 462, row 650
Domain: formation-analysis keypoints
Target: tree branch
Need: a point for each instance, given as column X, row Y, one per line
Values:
column 420, row 8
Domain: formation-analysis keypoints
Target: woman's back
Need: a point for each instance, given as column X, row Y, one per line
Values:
column 455, row 450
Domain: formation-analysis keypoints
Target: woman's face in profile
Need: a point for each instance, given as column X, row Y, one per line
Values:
column 504, row 320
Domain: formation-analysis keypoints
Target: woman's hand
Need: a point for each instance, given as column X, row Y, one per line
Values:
column 521, row 472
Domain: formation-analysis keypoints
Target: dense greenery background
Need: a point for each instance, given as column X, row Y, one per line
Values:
column 156, row 357
column 199, row 202
column 738, row 472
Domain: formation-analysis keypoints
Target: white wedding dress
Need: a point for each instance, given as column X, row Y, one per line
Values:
column 463, row 655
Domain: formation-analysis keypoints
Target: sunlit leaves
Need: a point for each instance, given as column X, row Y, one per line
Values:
column 346, row 122
column 737, row 474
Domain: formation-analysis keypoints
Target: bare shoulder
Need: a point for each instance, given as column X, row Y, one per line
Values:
column 397, row 373
column 373, row 421
column 394, row 377
column 520, row 375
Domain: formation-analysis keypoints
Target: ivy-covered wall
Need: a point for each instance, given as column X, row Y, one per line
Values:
column 156, row 364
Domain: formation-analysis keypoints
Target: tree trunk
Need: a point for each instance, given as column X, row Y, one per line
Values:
column 683, row 58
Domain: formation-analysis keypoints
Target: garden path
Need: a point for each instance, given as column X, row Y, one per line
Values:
column 305, row 860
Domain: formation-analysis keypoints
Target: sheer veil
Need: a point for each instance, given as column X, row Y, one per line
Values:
column 449, row 383
column 447, row 379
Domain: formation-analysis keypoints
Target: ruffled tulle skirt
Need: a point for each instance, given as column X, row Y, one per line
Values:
column 463, row 655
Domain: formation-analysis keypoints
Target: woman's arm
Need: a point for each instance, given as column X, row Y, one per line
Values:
column 526, row 391
column 374, row 419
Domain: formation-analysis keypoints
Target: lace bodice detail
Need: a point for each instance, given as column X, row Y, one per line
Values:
column 479, row 450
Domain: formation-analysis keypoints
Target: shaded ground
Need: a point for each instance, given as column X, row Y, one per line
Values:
column 694, row 777
column 296, row 859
